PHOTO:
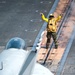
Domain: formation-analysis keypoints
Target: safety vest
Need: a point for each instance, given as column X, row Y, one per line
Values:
column 51, row 26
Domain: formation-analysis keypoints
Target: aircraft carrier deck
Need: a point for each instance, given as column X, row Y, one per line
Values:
column 21, row 18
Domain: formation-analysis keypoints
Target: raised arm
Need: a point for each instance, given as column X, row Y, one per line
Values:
column 58, row 18
column 43, row 17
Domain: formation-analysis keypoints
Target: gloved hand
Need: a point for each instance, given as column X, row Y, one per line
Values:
column 41, row 14
column 60, row 15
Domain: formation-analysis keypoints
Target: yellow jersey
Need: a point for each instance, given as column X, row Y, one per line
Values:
column 51, row 24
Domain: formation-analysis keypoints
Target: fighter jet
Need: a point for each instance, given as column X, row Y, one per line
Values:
column 15, row 60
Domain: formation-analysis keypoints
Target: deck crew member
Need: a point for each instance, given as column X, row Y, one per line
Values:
column 51, row 28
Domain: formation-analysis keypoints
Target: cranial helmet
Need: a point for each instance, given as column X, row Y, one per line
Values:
column 51, row 15
column 16, row 42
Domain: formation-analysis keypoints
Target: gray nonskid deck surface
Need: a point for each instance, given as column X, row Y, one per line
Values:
column 21, row 18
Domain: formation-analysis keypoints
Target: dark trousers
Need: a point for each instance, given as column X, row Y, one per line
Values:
column 54, row 36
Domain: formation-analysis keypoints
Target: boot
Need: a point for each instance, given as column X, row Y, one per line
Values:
column 47, row 45
column 56, row 46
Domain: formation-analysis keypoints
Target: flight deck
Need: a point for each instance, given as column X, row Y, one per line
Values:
column 21, row 18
